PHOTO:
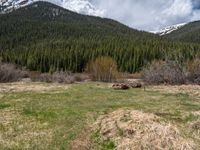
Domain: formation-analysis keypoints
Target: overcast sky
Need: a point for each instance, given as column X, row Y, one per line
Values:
column 150, row 14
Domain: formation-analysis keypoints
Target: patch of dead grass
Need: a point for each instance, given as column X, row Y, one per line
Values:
column 196, row 113
column 131, row 129
column 18, row 132
column 82, row 141
column 195, row 126
column 31, row 87
column 192, row 90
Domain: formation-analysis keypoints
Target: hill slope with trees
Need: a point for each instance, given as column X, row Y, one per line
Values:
column 188, row 33
column 46, row 38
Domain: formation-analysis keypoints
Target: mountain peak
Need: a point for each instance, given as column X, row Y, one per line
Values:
column 10, row 5
column 169, row 29
column 82, row 6
column 79, row 6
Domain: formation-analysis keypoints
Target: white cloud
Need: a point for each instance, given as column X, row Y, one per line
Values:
column 150, row 14
column 179, row 8
column 196, row 15
column 141, row 14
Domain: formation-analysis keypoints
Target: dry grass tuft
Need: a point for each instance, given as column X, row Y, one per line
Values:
column 137, row 130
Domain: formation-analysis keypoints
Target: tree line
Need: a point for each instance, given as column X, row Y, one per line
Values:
column 73, row 55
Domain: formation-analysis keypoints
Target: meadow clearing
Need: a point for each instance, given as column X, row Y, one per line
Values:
column 92, row 115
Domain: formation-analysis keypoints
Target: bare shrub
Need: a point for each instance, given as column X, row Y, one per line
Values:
column 63, row 77
column 59, row 77
column 10, row 73
column 103, row 69
column 45, row 77
column 34, row 75
column 194, row 71
column 79, row 77
column 168, row 72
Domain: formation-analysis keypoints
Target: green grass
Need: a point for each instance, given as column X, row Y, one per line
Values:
column 100, row 144
column 59, row 117
column 2, row 106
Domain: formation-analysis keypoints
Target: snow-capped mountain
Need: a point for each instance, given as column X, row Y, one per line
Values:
column 9, row 5
column 79, row 6
column 82, row 6
column 169, row 29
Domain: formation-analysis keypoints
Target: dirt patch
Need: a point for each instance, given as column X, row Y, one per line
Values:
column 30, row 87
column 130, row 129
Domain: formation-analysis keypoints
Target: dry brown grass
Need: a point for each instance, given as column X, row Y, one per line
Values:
column 82, row 141
column 19, row 132
column 31, row 87
column 195, row 125
column 192, row 90
column 130, row 129
column 196, row 113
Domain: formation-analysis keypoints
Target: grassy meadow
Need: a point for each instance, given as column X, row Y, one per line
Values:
column 55, row 116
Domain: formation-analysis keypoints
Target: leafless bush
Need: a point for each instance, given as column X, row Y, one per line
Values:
column 103, row 69
column 10, row 73
column 45, row 77
column 167, row 72
column 59, row 77
column 63, row 77
column 194, row 71
column 81, row 77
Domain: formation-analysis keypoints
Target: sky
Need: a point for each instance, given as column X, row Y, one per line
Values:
column 148, row 15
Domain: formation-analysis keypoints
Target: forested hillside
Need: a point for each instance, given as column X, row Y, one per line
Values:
column 188, row 33
column 45, row 37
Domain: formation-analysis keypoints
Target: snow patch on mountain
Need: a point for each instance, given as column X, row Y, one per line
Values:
column 83, row 7
column 10, row 5
column 79, row 6
column 169, row 29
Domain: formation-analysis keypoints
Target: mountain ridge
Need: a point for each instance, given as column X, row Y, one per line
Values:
column 79, row 6
column 46, row 37
column 42, row 28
